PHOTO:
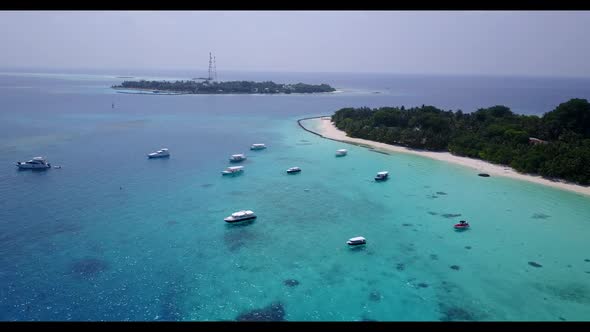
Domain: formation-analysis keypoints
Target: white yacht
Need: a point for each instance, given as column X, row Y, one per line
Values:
column 233, row 170
column 382, row 176
column 240, row 216
column 294, row 170
column 236, row 158
column 258, row 146
column 159, row 154
column 341, row 152
column 356, row 241
column 35, row 163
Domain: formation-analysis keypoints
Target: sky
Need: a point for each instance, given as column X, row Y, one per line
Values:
column 530, row 43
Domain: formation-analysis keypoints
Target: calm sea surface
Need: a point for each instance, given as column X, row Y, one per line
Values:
column 115, row 236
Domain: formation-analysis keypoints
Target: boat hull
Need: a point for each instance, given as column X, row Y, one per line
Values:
column 231, row 173
column 381, row 179
column 232, row 220
column 28, row 166
column 154, row 157
column 353, row 244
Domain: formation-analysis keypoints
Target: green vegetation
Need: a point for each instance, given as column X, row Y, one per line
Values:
column 213, row 87
column 556, row 145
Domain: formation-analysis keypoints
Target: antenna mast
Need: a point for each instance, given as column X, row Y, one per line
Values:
column 210, row 68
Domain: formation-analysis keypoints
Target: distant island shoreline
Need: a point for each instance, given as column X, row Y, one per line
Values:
column 215, row 87
column 142, row 91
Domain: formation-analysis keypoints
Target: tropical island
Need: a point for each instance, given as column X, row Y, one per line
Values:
column 554, row 146
column 229, row 87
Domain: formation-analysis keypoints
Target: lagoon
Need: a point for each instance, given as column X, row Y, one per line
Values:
column 115, row 236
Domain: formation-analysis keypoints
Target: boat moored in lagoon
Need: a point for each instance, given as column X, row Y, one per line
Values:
column 242, row 215
column 236, row 158
column 35, row 163
column 258, row 146
column 294, row 170
column 462, row 225
column 356, row 241
column 233, row 170
column 381, row 176
column 341, row 153
column 162, row 153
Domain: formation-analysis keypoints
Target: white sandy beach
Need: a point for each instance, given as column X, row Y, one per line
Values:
column 327, row 129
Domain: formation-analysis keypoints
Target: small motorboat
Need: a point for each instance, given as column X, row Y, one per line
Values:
column 381, row 176
column 341, row 153
column 162, row 153
column 240, row 216
column 294, row 170
column 258, row 146
column 236, row 158
column 356, row 241
column 485, row 175
column 233, row 170
column 462, row 225
column 35, row 163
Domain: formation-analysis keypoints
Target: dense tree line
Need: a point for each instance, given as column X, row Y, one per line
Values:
column 555, row 145
column 213, row 87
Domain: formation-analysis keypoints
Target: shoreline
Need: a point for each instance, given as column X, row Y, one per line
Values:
column 168, row 92
column 147, row 91
column 326, row 129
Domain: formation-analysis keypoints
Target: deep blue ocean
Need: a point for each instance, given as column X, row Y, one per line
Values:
column 115, row 236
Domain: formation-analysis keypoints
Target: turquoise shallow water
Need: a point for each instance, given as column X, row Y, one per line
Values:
column 115, row 236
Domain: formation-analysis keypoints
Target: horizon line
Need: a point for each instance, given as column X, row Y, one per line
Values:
column 56, row 70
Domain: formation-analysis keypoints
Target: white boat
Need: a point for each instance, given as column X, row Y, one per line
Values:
column 240, row 216
column 162, row 153
column 294, row 170
column 235, row 158
column 258, row 146
column 356, row 241
column 382, row 176
column 341, row 152
column 35, row 163
column 233, row 170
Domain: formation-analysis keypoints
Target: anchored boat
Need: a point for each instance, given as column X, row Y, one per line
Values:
column 258, row 146
column 381, row 176
column 462, row 225
column 242, row 215
column 233, row 170
column 341, row 153
column 294, row 170
column 356, row 241
column 162, row 153
column 236, row 158
column 35, row 163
